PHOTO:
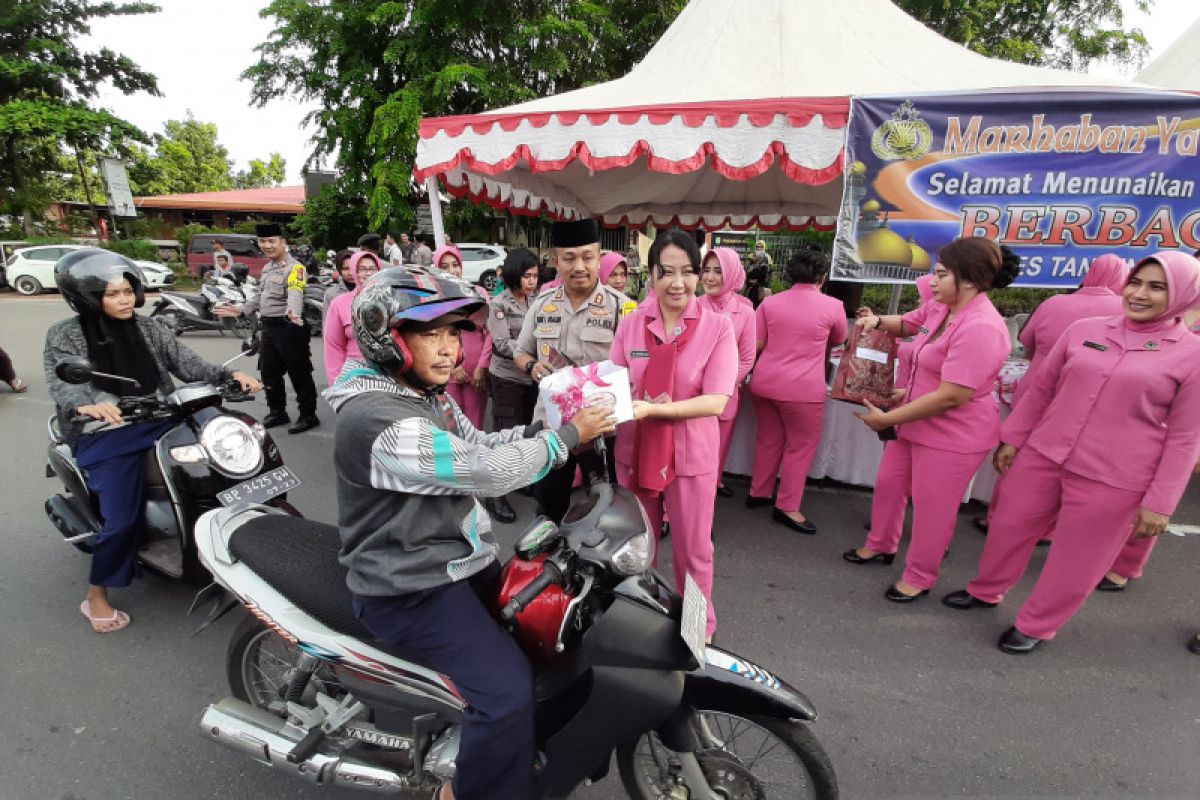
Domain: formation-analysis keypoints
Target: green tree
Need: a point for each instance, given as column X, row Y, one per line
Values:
column 47, row 87
column 1069, row 34
column 271, row 172
column 188, row 158
column 373, row 68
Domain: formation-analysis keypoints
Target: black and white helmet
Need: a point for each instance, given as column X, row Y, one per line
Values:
column 400, row 295
column 83, row 275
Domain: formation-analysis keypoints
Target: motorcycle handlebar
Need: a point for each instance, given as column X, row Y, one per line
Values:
column 551, row 574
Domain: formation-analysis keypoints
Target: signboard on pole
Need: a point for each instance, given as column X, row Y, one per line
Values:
column 120, row 198
column 1061, row 177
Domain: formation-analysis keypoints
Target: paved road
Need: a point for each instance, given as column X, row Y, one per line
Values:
column 915, row 700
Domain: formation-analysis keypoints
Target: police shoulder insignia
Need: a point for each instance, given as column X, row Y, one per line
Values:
column 499, row 314
column 296, row 278
column 599, row 298
column 628, row 307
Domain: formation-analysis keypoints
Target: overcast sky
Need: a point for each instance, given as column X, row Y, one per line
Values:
column 198, row 49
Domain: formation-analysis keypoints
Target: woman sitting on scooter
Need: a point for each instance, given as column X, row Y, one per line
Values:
column 104, row 288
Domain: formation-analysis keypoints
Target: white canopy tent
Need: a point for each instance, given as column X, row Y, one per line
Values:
column 1178, row 67
column 736, row 117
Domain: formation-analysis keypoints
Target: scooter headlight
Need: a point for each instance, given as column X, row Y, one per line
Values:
column 232, row 446
column 634, row 557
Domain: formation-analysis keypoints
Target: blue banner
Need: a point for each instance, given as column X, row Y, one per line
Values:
column 1061, row 177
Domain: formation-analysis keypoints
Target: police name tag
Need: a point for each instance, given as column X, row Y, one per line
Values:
column 694, row 619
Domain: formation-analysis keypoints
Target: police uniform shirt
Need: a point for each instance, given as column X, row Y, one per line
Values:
column 506, row 317
column 582, row 335
column 280, row 289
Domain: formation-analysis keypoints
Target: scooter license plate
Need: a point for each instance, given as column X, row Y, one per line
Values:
column 260, row 488
column 694, row 620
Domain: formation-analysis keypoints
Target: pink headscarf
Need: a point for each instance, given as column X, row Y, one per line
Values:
column 609, row 262
column 1109, row 271
column 1183, row 283
column 357, row 257
column 733, row 274
column 441, row 251
column 925, row 288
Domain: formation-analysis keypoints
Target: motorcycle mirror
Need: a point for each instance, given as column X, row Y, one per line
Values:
column 250, row 345
column 74, row 369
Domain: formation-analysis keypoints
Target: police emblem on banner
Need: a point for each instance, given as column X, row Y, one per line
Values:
column 904, row 137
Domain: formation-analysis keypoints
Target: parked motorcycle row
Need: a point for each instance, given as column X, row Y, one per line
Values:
column 619, row 656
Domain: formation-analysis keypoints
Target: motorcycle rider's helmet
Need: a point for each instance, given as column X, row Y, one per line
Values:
column 83, row 275
column 406, row 296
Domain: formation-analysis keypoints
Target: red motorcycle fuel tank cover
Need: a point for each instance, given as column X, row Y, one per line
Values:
column 538, row 624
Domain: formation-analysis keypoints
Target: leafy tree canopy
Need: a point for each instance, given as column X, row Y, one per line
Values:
column 47, row 88
column 1069, row 34
column 271, row 172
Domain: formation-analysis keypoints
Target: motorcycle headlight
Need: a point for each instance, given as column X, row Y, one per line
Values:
column 634, row 557
column 232, row 446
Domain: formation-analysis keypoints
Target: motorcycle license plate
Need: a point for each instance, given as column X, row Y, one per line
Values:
column 260, row 488
column 694, row 620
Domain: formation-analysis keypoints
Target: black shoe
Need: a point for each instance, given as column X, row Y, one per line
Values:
column 755, row 502
column 305, row 423
column 724, row 490
column 853, row 557
column 897, row 596
column 1014, row 642
column 1107, row 585
column 499, row 510
column 275, row 419
column 664, row 530
column 801, row 527
column 981, row 524
column 1043, row 543
column 1194, row 644
column 867, row 526
column 963, row 600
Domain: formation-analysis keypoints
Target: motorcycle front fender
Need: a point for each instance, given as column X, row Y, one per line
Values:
column 728, row 682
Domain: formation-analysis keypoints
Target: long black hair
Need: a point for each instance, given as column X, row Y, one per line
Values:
column 672, row 238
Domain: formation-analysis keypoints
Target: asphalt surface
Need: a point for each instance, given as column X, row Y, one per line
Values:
column 915, row 701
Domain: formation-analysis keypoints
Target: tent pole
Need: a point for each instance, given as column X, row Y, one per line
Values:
column 435, row 211
column 894, row 303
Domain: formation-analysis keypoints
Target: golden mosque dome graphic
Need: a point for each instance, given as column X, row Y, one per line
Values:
column 921, row 262
column 885, row 246
column 871, row 207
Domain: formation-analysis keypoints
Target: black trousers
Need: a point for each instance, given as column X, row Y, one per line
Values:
column 450, row 629
column 512, row 402
column 285, row 351
column 553, row 492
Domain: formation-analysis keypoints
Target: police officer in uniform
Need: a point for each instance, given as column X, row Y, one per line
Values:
column 285, row 337
column 571, row 325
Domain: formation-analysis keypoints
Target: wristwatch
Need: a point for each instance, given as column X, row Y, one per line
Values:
column 529, row 365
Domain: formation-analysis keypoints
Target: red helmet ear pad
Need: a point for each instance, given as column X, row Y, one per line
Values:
column 406, row 356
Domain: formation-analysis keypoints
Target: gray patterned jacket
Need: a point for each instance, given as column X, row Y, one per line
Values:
column 65, row 338
column 407, row 482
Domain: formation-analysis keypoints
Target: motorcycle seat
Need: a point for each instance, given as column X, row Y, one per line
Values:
column 299, row 558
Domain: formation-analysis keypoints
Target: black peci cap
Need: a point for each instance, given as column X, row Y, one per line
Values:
column 574, row 233
column 267, row 230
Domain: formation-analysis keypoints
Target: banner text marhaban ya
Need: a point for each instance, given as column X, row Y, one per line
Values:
column 1038, row 136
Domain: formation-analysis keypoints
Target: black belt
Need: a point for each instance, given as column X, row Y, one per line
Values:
column 269, row 321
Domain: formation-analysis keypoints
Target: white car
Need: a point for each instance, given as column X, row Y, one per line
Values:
column 481, row 263
column 30, row 270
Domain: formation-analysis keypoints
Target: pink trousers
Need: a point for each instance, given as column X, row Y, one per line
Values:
column 472, row 401
column 689, row 501
column 1133, row 556
column 936, row 480
column 1093, row 524
column 790, row 433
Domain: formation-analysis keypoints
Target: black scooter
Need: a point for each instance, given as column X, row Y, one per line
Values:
column 213, row 456
column 183, row 312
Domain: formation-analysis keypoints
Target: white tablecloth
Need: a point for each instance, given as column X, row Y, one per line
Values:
column 850, row 451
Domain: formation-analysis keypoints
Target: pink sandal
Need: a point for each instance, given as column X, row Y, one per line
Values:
column 116, row 622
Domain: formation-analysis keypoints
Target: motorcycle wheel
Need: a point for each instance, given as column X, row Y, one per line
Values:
column 749, row 757
column 312, row 319
column 259, row 665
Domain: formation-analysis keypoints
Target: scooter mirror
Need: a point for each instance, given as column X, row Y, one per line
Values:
column 74, row 369
column 250, row 345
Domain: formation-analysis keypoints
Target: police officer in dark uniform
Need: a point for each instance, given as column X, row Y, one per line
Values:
column 285, row 337
column 571, row 325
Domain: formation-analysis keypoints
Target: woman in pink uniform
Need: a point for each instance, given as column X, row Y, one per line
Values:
column 614, row 271
column 1136, row 552
column 795, row 330
column 468, row 384
column 682, row 362
column 950, row 420
column 1098, row 295
column 1105, row 440
column 340, row 344
column 722, row 277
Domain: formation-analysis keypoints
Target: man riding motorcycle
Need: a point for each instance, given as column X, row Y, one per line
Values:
column 416, row 540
